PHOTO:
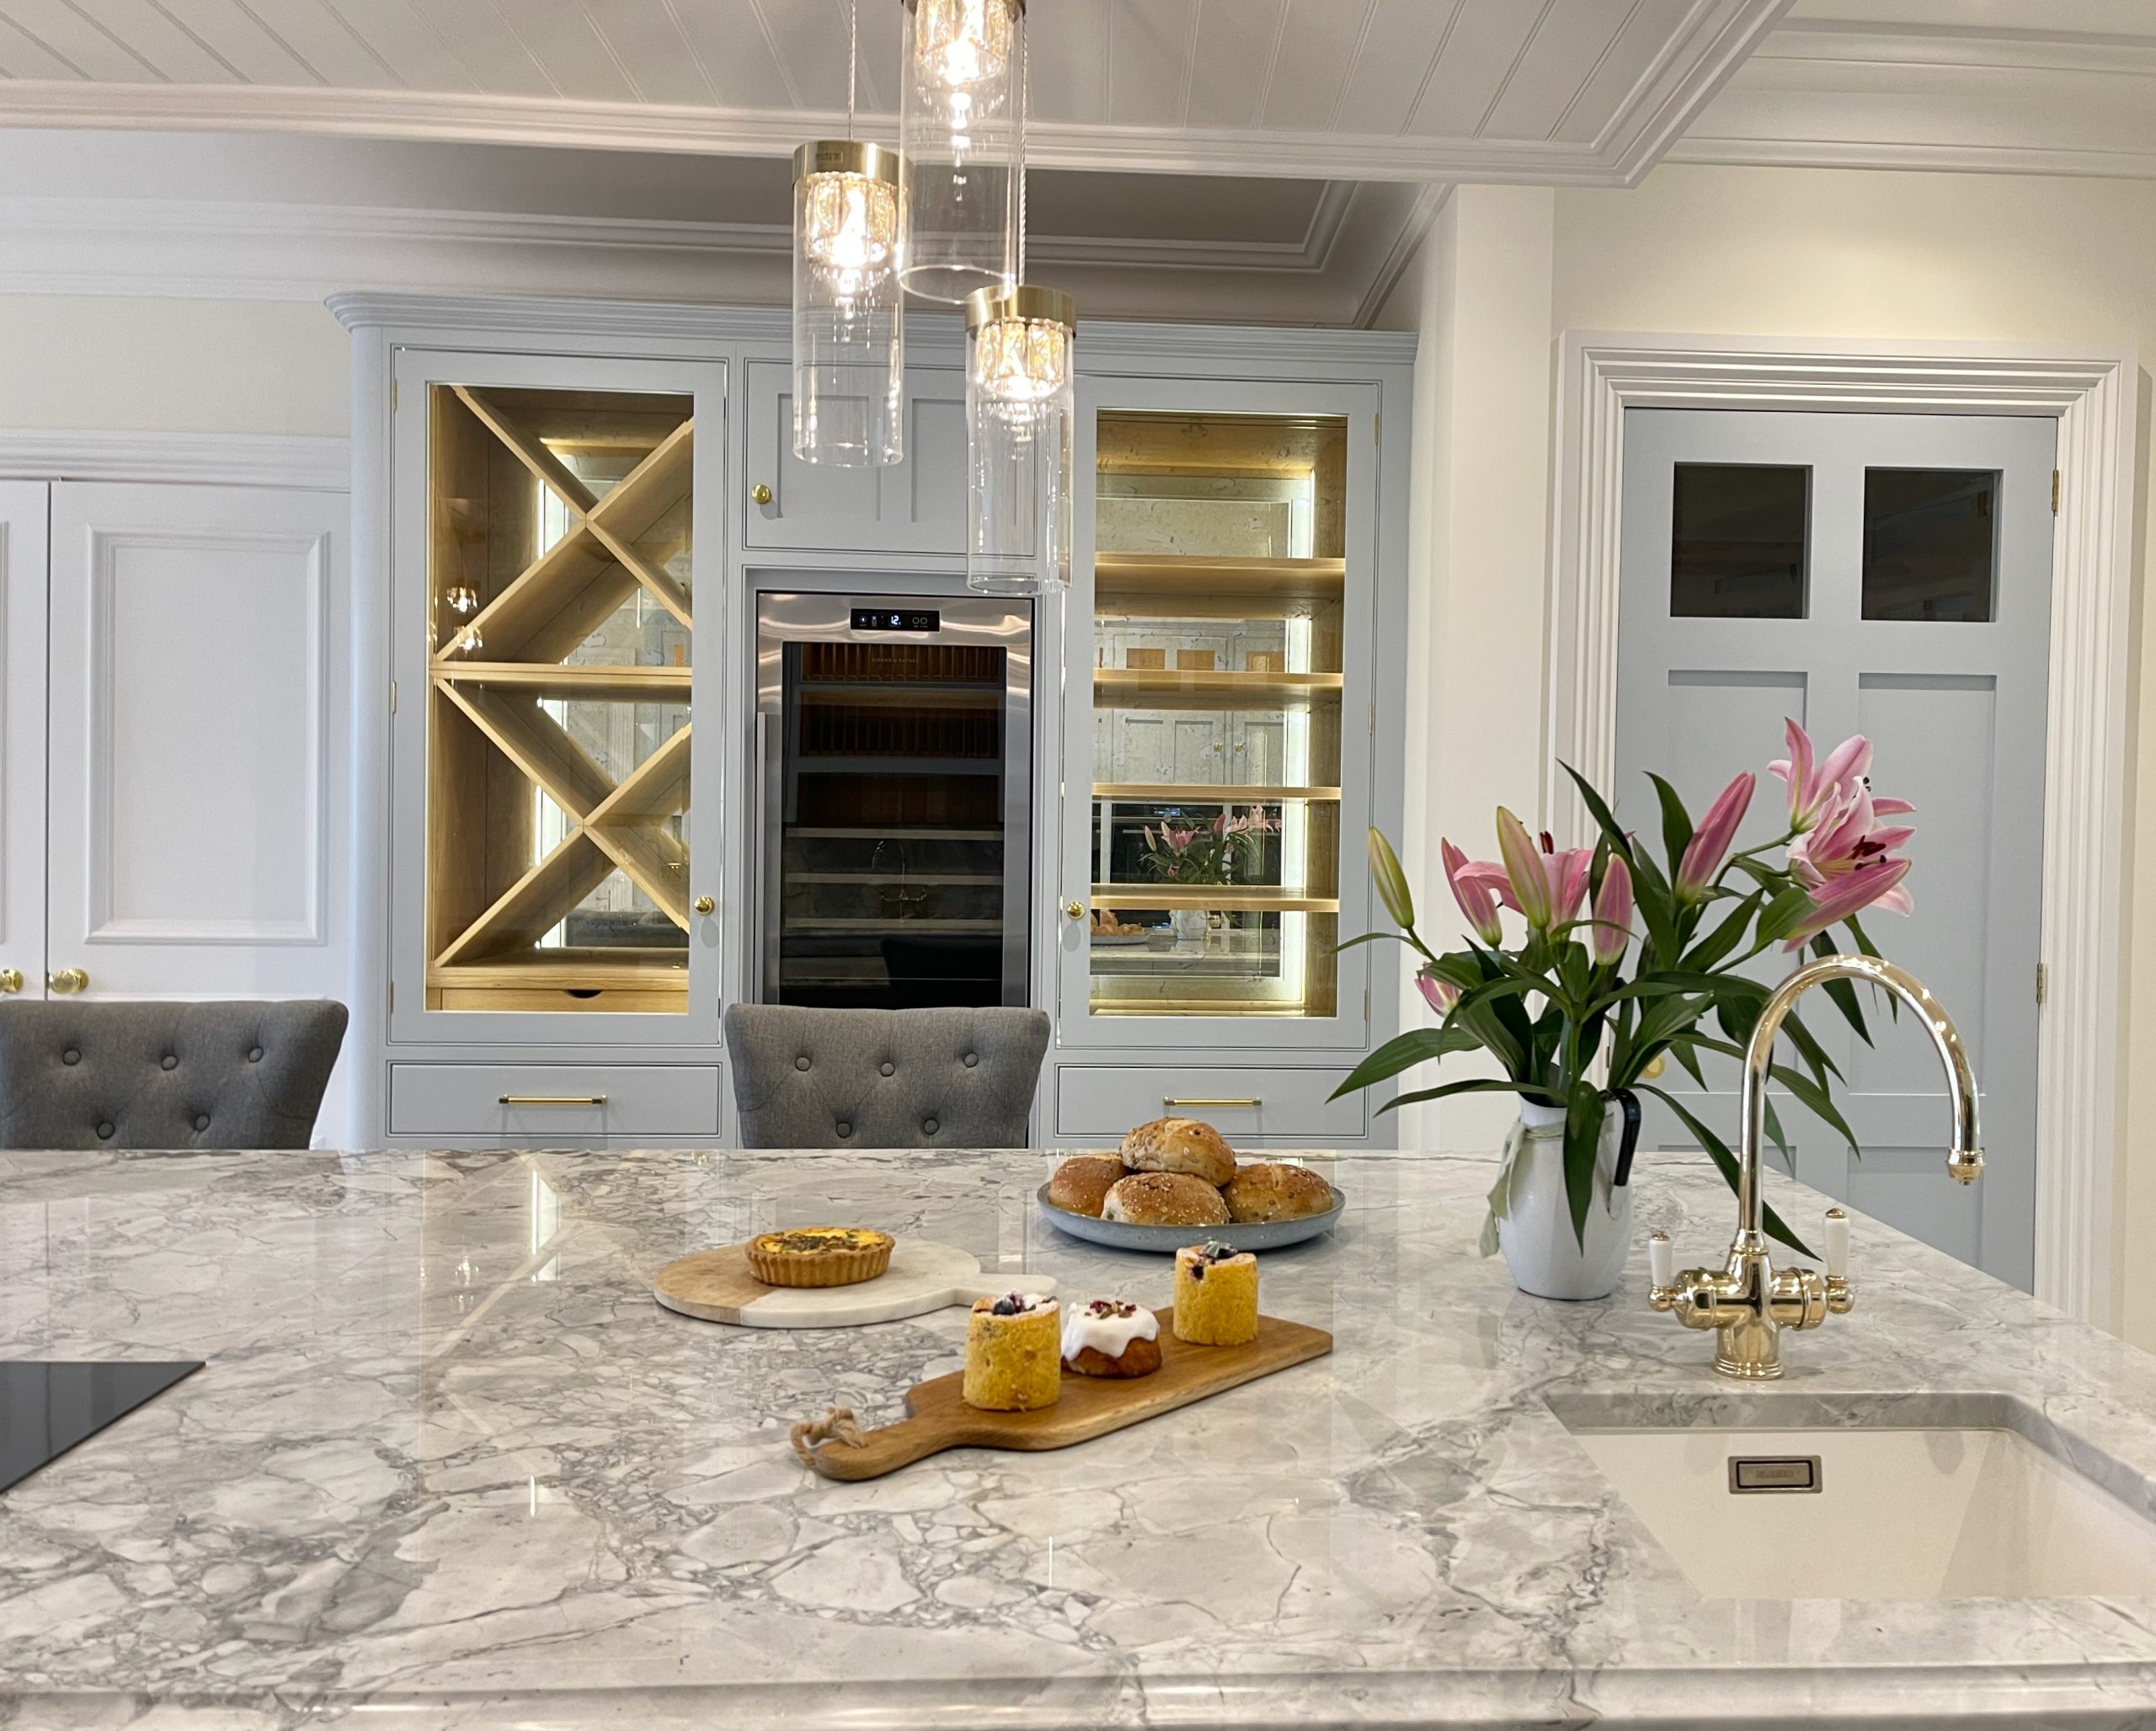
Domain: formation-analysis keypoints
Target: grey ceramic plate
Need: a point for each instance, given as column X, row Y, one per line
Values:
column 1121, row 1235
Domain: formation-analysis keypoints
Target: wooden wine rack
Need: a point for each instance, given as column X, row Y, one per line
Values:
column 508, row 613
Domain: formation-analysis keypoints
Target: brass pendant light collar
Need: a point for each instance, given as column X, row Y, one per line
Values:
column 1017, row 6
column 848, row 156
column 1024, row 300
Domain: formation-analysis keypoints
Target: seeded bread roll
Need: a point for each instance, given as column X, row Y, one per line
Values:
column 1266, row 1190
column 1082, row 1184
column 1180, row 1145
column 1165, row 1199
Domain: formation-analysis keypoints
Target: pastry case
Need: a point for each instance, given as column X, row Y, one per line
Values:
column 1220, row 680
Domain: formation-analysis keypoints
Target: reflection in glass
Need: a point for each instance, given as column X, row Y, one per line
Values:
column 1737, row 541
column 1930, row 536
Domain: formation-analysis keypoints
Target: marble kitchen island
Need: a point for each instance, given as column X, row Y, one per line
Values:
column 449, row 1463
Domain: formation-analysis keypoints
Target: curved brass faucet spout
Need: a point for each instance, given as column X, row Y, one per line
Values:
column 1746, row 1302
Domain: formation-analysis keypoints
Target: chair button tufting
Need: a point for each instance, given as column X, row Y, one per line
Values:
column 70, row 1056
column 928, row 1126
column 971, row 1059
column 104, row 1133
column 886, row 1066
column 844, row 1129
column 254, row 1056
column 800, row 1063
column 201, row 1121
column 169, row 1062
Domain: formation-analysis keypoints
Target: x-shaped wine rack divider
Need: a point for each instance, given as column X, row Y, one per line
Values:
column 612, row 824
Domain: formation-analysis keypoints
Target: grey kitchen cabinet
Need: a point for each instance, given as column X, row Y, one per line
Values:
column 917, row 506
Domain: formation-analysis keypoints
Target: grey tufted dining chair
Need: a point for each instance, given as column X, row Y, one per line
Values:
column 165, row 1075
column 933, row 1078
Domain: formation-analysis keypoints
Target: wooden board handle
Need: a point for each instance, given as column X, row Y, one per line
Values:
column 839, row 1450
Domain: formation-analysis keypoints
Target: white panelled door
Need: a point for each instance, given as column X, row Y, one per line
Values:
column 197, row 742
column 22, row 738
column 1888, row 575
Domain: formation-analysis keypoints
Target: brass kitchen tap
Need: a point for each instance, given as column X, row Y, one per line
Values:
column 1748, row 1302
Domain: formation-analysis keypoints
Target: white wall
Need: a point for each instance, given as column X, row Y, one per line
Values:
column 1794, row 253
column 139, row 364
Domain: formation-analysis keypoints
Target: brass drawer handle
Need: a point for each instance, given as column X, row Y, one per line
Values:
column 68, row 979
column 1170, row 1100
column 761, row 493
column 554, row 1100
column 11, row 979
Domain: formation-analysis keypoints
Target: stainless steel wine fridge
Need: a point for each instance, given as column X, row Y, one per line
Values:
column 895, row 745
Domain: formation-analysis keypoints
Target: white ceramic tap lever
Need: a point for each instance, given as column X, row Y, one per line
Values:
column 1662, row 1259
column 1838, row 1244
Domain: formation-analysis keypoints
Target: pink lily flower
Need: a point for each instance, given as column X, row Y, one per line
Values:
column 1709, row 843
column 1547, row 886
column 1439, row 995
column 1471, row 889
column 1811, row 786
column 1612, row 913
column 1876, row 883
column 1849, row 841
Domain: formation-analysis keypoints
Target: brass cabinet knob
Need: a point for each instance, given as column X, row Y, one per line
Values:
column 68, row 979
column 703, row 905
column 11, row 979
column 761, row 493
column 1074, row 909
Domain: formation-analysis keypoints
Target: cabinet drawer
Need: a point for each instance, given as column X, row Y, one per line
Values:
column 1096, row 1101
column 915, row 506
column 548, row 1103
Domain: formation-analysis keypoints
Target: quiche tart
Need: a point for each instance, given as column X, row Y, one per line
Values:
column 820, row 1256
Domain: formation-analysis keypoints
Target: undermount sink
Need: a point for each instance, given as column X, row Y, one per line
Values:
column 1943, row 1497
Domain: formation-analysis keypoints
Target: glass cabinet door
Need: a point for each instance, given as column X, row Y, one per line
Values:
column 560, row 648
column 1219, row 675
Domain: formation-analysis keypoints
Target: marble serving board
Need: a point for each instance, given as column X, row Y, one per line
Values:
column 938, row 1418
column 716, row 1286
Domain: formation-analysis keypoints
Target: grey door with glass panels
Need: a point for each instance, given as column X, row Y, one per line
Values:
column 1888, row 575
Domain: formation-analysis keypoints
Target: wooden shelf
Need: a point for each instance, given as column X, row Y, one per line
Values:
column 1225, row 897
column 1147, row 582
column 1205, row 793
column 575, row 681
column 1168, row 687
column 569, row 970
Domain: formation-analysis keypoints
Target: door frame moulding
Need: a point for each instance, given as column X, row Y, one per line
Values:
column 2092, row 395
column 310, row 461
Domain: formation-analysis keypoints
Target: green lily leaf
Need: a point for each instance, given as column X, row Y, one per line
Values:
column 1676, row 821
column 1418, row 1045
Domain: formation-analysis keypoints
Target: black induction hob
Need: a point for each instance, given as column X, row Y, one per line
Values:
column 47, row 1409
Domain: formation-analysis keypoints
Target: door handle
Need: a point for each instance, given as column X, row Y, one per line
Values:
column 704, row 905
column 761, row 493
column 11, row 979
column 68, row 979
column 552, row 1100
column 1073, row 908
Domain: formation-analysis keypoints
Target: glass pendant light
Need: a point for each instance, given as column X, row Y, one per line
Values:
column 849, row 327
column 961, row 91
column 1021, row 424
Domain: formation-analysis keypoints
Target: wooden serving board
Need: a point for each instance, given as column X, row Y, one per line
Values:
column 717, row 1286
column 1088, row 1406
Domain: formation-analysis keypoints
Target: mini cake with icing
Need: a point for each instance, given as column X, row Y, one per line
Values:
column 1081, row 1184
column 1216, row 1295
column 820, row 1256
column 1014, row 1357
column 1109, row 1337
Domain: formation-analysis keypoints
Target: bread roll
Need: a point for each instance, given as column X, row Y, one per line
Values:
column 1082, row 1184
column 1180, row 1145
column 1265, row 1190
column 1165, row 1199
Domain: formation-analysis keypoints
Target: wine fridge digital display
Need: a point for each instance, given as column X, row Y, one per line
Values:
column 895, row 747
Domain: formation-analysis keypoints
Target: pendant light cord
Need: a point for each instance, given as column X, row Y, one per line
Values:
column 852, row 62
column 1025, row 88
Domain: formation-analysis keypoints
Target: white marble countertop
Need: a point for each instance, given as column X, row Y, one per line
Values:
column 451, row 1463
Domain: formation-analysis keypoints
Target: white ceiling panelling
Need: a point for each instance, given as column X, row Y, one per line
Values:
column 1337, row 89
column 2065, row 87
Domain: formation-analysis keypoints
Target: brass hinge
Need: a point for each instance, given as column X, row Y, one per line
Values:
column 393, row 396
column 2054, row 492
column 2041, row 983
column 1373, row 718
column 393, row 696
column 1377, row 428
column 392, row 997
column 1366, row 1004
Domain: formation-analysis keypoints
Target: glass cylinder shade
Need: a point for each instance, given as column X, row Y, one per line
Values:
column 849, row 337
column 960, row 95
column 1021, row 423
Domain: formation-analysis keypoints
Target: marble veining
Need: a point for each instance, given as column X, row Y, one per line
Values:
column 449, row 1463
